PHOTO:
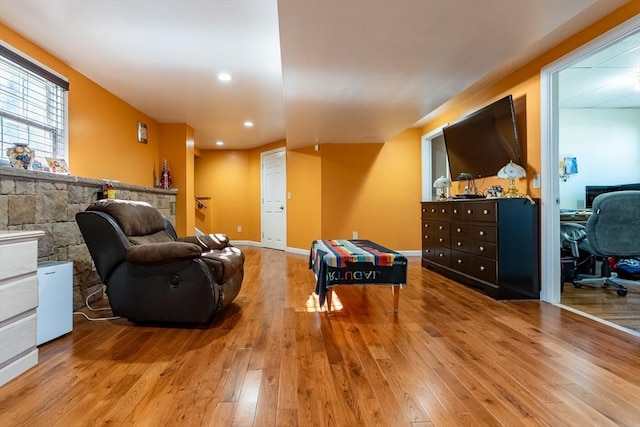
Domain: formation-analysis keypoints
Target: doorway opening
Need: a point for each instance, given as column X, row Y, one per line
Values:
column 561, row 102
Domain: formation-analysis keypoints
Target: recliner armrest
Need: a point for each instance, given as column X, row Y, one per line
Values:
column 207, row 241
column 154, row 253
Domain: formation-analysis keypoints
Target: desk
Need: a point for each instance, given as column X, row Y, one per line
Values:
column 355, row 262
column 580, row 217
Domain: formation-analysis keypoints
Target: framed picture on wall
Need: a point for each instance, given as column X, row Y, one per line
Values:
column 142, row 133
column 58, row 166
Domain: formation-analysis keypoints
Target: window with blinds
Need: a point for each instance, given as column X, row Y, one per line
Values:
column 32, row 106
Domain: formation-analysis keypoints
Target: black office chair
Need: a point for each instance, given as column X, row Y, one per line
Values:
column 613, row 230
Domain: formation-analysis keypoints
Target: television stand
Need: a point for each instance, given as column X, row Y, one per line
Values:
column 469, row 196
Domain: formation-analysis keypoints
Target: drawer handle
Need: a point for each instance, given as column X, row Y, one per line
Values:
column 469, row 211
column 423, row 209
column 481, row 248
column 482, row 233
column 459, row 243
column 427, row 250
column 455, row 211
column 426, row 236
column 433, row 210
column 444, row 210
column 441, row 255
column 459, row 261
column 441, row 227
column 459, row 230
column 427, row 226
column 441, row 240
column 483, row 268
column 486, row 212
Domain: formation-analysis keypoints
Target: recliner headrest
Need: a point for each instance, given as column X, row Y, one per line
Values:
column 135, row 218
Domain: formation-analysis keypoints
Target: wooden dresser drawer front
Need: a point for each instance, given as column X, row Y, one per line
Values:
column 485, row 269
column 462, row 261
column 484, row 233
column 18, row 296
column 435, row 210
column 442, row 239
column 484, row 249
column 442, row 256
column 481, row 211
column 461, row 244
column 428, row 252
column 18, row 258
column 461, row 229
column 17, row 337
column 428, row 238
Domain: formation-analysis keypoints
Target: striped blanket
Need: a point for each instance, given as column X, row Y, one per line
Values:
column 356, row 262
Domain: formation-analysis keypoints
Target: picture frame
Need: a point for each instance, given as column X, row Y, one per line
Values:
column 58, row 165
column 142, row 133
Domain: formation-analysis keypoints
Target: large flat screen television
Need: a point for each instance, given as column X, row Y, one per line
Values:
column 483, row 142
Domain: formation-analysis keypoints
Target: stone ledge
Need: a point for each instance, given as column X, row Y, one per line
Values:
column 25, row 174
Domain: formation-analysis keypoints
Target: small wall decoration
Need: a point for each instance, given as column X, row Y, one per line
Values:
column 58, row 166
column 142, row 133
column 165, row 176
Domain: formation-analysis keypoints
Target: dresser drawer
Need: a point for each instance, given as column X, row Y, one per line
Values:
column 428, row 252
column 17, row 338
column 484, row 249
column 485, row 269
column 18, row 296
column 462, row 261
column 436, row 210
column 485, row 233
column 18, row 258
column 481, row 211
column 461, row 230
column 461, row 244
column 442, row 256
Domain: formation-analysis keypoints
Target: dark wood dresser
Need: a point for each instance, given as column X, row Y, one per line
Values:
column 491, row 244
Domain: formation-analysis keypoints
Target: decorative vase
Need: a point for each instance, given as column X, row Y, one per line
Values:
column 21, row 156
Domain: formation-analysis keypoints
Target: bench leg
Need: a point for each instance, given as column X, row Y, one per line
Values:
column 396, row 297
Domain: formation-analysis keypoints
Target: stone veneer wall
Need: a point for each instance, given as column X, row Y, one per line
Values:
column 36, row 200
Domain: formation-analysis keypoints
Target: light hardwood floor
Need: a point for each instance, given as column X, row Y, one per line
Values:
column 605, row 304
column 451, row 357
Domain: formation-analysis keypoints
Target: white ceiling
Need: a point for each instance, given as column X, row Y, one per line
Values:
column 310, row 71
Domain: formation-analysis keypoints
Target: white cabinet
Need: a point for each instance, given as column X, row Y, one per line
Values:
column 18, row 302
column 55, row 295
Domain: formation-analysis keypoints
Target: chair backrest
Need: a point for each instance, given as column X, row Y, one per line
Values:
column 614, row 227
column 110, row 226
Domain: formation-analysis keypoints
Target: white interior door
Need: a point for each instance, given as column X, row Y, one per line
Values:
column 274, row 183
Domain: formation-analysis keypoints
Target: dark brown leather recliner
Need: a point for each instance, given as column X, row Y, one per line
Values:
column 152, row 275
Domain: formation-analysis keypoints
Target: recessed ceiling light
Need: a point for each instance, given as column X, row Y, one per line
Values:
column 248, row 124
column 219, row 143
column 224, row 77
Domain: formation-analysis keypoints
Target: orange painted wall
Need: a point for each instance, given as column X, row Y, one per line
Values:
column 102, row 128
column 304, row 209
column 224, row 176
column 524, row 85
column 374, row 189
column 176, row 146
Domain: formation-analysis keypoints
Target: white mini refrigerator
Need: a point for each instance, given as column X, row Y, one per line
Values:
column 55, row 300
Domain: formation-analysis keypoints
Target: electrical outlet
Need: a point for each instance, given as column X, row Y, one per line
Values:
column 355, row 235
column 239, row 229
column 536, row 180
